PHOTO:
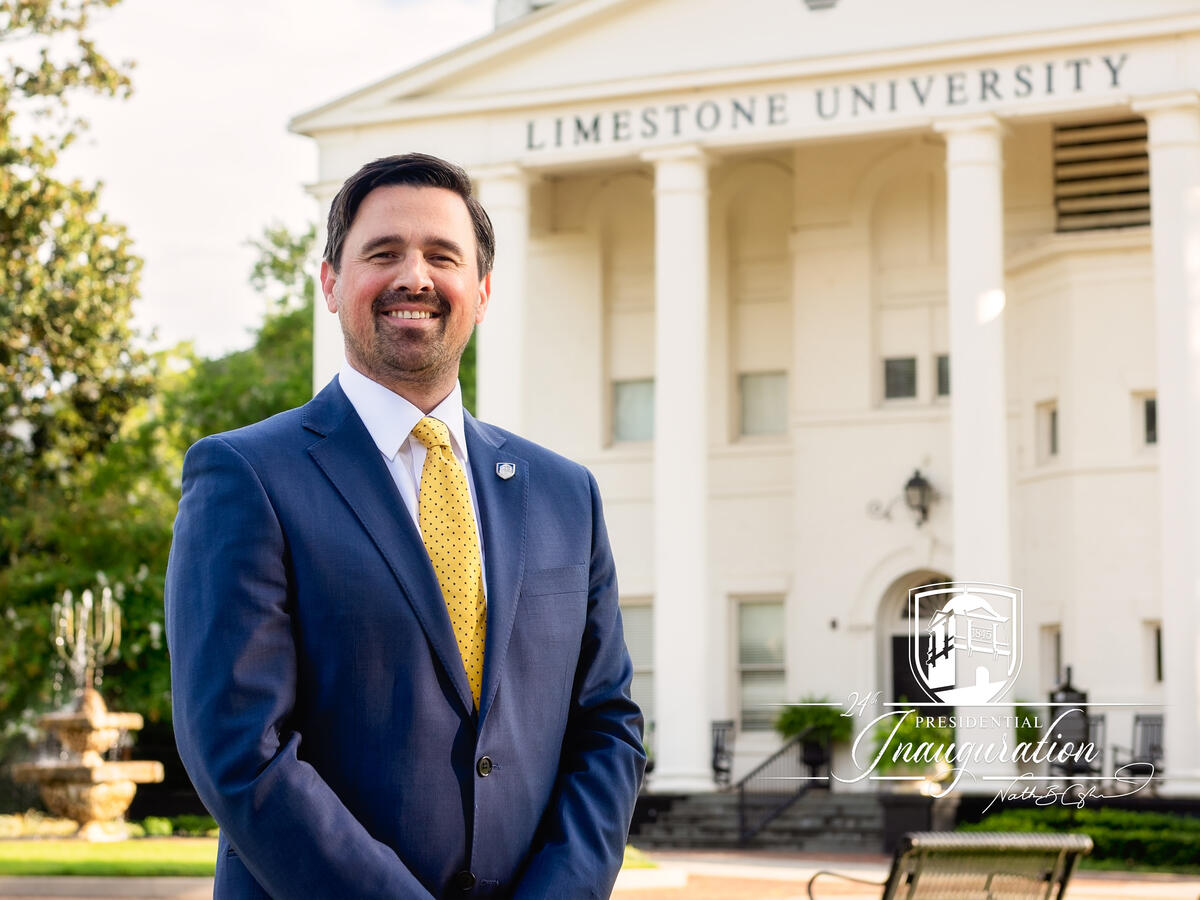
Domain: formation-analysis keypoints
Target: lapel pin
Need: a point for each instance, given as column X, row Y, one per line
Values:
column 506, row 470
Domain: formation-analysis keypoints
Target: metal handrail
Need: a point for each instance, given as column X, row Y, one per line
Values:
column 782, row 774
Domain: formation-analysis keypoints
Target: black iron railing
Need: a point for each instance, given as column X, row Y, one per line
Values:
column 768, row 790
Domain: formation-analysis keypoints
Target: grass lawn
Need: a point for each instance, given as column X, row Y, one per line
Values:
column 636, row 859
column 145, row 856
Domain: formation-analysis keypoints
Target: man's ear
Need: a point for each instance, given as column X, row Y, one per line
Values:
column 485, row 295
column 328, row 283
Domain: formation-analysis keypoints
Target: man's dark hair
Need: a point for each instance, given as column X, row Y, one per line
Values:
column 418, row 169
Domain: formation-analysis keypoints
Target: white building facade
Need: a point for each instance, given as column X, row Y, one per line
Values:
column 759, row 262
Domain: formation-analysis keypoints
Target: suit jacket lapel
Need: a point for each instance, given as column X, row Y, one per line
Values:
column 350, row 459
column 503, row 506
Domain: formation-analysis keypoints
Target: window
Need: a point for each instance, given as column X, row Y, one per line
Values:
column 1153, row 644
column 761, row 685
column 1143, row 420
column 943, row 375
column 637, row 619
column 633, row 410
column 900, row 377
column 1050, row 641
column 764, row 403
column 1047, row 431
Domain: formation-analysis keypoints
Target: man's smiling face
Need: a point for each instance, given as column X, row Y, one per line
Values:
column 408, row 292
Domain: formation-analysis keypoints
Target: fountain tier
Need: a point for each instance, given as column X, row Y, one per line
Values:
column 85, row 787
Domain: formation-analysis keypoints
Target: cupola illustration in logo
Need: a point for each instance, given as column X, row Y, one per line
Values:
column 964, row 640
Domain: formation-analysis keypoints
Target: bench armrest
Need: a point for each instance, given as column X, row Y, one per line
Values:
column 818, row 874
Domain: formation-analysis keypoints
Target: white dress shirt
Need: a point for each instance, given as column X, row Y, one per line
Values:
column 390, row 420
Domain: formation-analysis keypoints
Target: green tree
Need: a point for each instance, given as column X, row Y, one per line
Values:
column 70, row 373
column 68, row 277
column 107, row 519
column 466, row 374
column 273, row 375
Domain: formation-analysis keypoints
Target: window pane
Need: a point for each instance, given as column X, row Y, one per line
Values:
column 638, row 623
column 900, row 377
column 760, row 694
column 943, row 375
column 642, row 691
column 760, row 634
column 1047, row 431
column 633, row 410
column 1151, row 420
column 764, row 403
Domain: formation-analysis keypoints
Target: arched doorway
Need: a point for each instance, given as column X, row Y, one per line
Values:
column 897, row 682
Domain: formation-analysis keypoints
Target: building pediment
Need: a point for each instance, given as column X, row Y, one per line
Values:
column 592, row 49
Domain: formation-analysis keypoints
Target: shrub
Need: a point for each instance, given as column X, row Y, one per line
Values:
column 195, row 826
column 827, row 723
column 157, row 826
column 1123, row 836
column 913, row 730
column 1026, row 731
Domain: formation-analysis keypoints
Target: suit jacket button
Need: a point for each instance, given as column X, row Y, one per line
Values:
column 484, row 766
column 462, row 882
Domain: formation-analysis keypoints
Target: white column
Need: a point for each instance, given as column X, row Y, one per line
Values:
column 975, row 270
column 978, row 413
column 500, row 351
column 682, row 738
column 1174, row 131
column 329, row 349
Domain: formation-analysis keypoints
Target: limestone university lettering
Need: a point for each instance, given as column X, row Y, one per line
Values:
column 962, row 87
column 650, row 122
column 931, row 93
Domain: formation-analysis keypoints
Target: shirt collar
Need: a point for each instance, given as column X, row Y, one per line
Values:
column 390, row 418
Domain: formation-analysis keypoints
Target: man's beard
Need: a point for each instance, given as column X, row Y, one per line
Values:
column 417, row 355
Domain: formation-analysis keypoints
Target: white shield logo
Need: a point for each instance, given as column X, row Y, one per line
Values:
column 964, row 642
column 506, row 470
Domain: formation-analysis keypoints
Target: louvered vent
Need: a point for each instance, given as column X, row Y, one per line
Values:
column 1101, row 175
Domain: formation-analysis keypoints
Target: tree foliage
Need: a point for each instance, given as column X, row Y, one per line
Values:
column 70, row 373
column 68, row 276
column 276, row 373
column 107, row 519
column 92, row 426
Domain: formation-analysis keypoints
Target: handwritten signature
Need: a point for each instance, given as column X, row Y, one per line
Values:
column 1077, row 793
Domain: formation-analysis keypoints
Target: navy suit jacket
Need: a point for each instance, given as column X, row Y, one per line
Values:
column 320, row 702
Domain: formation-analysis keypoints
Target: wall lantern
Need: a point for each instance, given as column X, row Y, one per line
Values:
column 918, row 493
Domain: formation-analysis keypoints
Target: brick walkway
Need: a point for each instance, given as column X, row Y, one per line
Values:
column 784, row 876
column 682, row 876
column 709, row 887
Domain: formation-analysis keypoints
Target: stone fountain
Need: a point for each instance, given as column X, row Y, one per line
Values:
column 81, row 784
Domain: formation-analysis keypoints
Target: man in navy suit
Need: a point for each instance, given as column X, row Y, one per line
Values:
column 322, row 703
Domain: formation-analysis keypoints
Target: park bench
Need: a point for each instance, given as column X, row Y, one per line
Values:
column 943, row 865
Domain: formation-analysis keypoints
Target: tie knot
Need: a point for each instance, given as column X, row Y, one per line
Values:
column 432, row 433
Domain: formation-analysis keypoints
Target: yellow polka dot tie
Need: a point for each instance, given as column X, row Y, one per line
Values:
column 448, row 529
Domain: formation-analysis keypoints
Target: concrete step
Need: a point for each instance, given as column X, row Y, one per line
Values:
column 817, row 822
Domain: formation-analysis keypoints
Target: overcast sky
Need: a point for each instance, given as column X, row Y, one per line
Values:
column 199, row 160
